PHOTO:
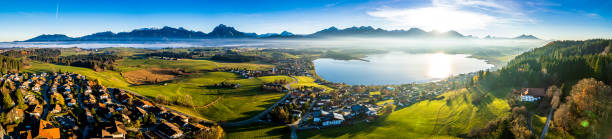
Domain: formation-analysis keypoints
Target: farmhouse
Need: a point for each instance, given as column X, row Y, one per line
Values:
column 532, row 94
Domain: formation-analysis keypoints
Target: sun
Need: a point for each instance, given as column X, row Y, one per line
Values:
column 439, row 66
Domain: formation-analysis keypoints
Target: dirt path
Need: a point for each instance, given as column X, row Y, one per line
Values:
column 211, row 103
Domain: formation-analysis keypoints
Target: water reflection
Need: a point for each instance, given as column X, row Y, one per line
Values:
column 397, row 68
column 439, row 65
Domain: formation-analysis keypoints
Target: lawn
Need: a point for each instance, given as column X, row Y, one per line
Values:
column 258, row 131
column 210, row 103
column 447, row 118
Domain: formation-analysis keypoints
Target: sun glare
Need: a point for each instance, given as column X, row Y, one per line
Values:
column 435, row 18
column 439, row 65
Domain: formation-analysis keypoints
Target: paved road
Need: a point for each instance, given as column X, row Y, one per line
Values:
column 47, row 105
column 258, row 116
column 293, row 132
column 547, row 124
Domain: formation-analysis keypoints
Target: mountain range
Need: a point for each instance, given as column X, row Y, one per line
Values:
column 223, row 31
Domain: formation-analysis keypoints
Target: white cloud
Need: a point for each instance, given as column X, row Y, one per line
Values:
column 435, row 18
column 463, row 15
column 592, row 15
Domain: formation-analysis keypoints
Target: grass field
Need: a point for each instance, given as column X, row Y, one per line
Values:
column 447, row 118
column 380, row 103
column 210, row 103
column 189, row 65
column 148, row 76
column 257, row 131
column 308, row 81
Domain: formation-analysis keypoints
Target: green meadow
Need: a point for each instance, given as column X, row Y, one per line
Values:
column 210, row 103
column 308, row 81
column 258, row 131
column 452, row 116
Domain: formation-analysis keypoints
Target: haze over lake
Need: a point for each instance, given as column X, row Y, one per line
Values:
column 397, row 68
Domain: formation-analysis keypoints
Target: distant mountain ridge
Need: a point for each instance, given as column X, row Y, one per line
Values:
column 527, row 37
column 223, row 31
column 521, row 37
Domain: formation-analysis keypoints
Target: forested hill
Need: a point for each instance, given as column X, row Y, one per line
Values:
column 557, row 63
column 577, row 76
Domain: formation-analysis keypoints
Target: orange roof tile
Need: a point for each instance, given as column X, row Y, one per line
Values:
column 46, row 130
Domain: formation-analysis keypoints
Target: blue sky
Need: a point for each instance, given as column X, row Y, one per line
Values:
column 561, row 19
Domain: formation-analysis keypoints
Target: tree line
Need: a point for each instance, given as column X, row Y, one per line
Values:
column 97, row 62
column 170, row 54
column 577, row 74
column 8, row 64
column 557, row 63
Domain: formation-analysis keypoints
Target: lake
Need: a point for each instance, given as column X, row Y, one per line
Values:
column 397, row 68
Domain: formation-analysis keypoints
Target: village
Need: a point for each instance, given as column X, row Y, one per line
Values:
column 65, row 105
column 316, row 108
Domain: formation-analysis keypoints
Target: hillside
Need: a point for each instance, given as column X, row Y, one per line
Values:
column 582, row 70
column 450, row 117
column 557, row 63
column 489, row 109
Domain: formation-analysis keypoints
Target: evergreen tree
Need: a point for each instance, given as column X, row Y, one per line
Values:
column 7, row 101
column 20, row 99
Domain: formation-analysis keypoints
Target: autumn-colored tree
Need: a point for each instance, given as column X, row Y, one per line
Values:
column 554, row 93
column 591, row 95
column 519, row 123
column 563, row 118
column 587, row 108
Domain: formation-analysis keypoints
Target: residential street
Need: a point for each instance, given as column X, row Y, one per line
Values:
column 547, row 124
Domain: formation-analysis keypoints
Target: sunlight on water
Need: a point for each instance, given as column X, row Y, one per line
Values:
column 439, row 65
column 397, row 68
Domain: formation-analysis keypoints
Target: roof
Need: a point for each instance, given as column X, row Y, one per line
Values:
column 324, row 112
column 356, row 108
column 539, row 92
column 338, row 116
column 169, row 129
column 46, row 130
column 147, row 103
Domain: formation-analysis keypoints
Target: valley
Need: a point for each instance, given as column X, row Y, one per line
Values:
column 257, row 92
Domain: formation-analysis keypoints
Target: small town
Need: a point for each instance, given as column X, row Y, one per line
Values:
column 65, row 105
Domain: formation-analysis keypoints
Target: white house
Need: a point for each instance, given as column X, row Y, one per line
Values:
column 532, row 94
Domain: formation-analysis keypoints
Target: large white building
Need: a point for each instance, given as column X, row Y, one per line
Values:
column 532, row 94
